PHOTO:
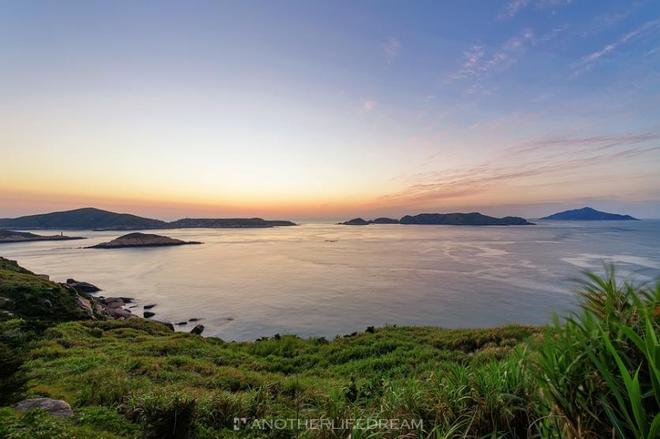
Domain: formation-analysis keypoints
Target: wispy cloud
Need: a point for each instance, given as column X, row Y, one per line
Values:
column 479, row 62
column 587, row 62
column 513, row 7
column 392, row 47
column 548, row 158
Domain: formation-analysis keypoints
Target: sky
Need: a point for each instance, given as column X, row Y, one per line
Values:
column 329, row 109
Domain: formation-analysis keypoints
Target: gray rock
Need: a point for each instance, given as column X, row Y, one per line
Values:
column 86, row 305
column 119, row 313
column 55, row 407
column 197, row 330
column 84, row 287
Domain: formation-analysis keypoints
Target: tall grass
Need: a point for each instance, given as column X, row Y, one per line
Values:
column 600, row 368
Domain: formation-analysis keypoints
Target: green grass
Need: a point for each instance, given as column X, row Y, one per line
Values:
column 594, row 374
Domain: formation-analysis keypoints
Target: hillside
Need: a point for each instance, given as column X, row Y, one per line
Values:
column 463, row 219
column 82, row 219
column 35, row 298
column 588, row 214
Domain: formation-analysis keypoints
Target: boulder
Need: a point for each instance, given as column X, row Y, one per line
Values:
column 119, row 313
column 55, row 407
column 149, row 306
column 86, row 305
column 148, row 314
column 182, row 323
column 83, row 287
column 197, row 330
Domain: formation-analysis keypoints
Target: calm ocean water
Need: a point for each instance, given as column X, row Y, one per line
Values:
column 324, row 280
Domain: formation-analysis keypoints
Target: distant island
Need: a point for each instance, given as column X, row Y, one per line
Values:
column 227, row 223
column 7, row 236
column 142, row 240
column 90, row 218
column 588, row 214
column 364, row 222
column 455, row 219
column 464, row 219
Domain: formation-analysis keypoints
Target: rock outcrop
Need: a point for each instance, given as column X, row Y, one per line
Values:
column 82, row 287
column 55, row 407
column 197, row 330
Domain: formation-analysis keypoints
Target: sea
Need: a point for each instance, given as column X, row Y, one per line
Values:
column 328, row 280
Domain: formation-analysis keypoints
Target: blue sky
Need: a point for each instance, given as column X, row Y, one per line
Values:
column 329, row 109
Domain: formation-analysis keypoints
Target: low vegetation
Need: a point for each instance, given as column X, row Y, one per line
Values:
column 594, row 374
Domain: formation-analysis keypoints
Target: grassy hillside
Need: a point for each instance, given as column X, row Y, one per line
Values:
column 32, row 297
column 595, row 375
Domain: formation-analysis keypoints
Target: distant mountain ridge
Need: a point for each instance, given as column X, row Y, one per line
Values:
column 85, row 218
column 90, row 218
column 454, row 219
column 588, row 214
column 227, row 223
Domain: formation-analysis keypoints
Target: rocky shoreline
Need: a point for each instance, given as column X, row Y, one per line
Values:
column 116, row 308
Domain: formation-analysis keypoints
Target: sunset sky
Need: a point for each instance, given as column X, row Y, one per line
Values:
column 323, row 110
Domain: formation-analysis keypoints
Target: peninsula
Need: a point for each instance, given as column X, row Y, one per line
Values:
column 142, row 240
column 7, row 236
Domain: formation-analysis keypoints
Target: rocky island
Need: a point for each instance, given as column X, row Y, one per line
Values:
column 7, row 236
column 588, row 214
column 142, row 240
